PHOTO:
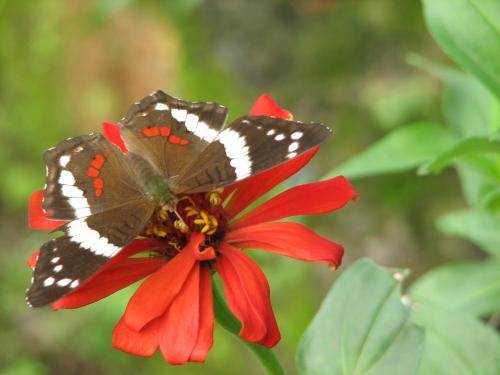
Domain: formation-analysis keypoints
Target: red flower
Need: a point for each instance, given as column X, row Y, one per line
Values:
column 172, row 309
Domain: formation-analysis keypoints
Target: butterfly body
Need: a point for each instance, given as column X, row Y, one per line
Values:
column 175, row 148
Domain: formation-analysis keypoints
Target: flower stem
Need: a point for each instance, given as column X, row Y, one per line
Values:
column 228, row 321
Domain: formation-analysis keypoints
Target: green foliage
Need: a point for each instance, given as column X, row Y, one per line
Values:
column 468, row 31
column 471, row 287
column 476, row 226
column 362, row 327
column 455, row 343
column 468, row 146
column 448, row 300
column 403, row 149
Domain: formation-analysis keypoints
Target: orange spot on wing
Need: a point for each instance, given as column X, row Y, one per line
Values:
column 92, row 172
column 151, row 131
column 174, row 139
column 98, row 192
column 183, row 142
column 98, row 183
column 98, row 161
column 164, row 131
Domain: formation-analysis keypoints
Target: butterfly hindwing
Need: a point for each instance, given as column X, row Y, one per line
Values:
column 62, row 266
column 250, row 145
column 89, row 242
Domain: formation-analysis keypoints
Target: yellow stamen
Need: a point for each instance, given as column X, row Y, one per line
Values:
column 181, row 226
column 214, row 197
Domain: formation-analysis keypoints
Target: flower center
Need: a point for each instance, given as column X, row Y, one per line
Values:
column 200, row 212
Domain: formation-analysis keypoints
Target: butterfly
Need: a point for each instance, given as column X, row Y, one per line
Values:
column 173, row 148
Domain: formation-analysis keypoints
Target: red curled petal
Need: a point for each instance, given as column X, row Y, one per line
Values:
column 37, row 217
column 156, row 293
column 180, row 325
column 248, row 296
column 33, row 259
column 112, row 133
column 266, row 106
column 247, row 191
column 206, row 331
column 309, row 199
column 143, row 343
column 112, row 279
column 289, row 239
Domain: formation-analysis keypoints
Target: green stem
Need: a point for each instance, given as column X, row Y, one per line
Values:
column 228, row 321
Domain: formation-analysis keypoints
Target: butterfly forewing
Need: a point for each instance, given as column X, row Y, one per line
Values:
column 169, row 133
column 87, row 175
column 250, row 145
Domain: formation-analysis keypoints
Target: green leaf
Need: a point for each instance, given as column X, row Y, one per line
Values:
column 469, row 108
column 362, row 327
column 478, row 227
column 461, row 148
column 403, row 149
column 472, row 287
column 456, row 343
column 469, row 32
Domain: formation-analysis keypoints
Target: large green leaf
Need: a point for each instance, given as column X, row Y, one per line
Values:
column 456, row 343
column 478, row 227
column 362, row 328
column 464, row 147
column 472, row 287
column 403, row 149
column 469, row 32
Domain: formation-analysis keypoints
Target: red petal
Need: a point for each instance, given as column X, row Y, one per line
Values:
column 266, row 106
column 33, row 259
column 206, row 330
column 143, row 343
column 248, row 296
column 156, row 293
column 254, row 187
column 289, row 239
column 112, row 134
column 37, row 217
column 180, row 325
column 112, row 279
column 309, row 199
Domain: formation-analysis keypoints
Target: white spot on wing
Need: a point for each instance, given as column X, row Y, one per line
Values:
column 179, row 114
column 48, row 281
column 161, row 107
column 58, row 268
column 64, row 282
column 191, row 122
column 296, row 135
column 279, row 137
column 75, row 283
column 64, row 160
column 293, row 146
column 271, row 132
column 291, row 155
column 66, row 178
column 89, row 239
column 236, row 149
column 71, row 191
column 54, row 260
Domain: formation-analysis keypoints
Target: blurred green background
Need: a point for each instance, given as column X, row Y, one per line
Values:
column 67, row 66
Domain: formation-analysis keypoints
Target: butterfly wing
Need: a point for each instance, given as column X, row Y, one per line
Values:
column 250, row 145
column 91, row 184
